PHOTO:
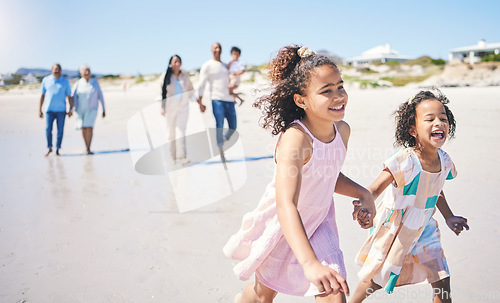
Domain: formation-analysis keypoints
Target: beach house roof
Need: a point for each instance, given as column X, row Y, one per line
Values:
column 380, row 53
column 29, row 78
column 481, row 46
column 474, row 53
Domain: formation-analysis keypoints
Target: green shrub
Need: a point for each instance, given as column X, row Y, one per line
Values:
column 393, row 63
column 140, row 79
column 491, row 58
column 438, row 61
column 366, row 70
column 110, row 76
column 365, row 83
column 424, row 61
column 403, row 80
column 252, row 68
column 251, row 79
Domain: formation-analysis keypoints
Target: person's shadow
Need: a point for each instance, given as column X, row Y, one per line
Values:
column 101, row 152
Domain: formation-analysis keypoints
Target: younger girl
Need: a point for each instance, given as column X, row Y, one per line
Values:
column 404, row 246
column 290, row 240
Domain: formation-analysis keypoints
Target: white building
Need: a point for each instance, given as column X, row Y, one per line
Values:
column 29, row 78
column 381, row 53
column 473, row 54
column 6, row 77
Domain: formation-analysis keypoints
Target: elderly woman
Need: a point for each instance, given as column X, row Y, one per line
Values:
column 86, row 95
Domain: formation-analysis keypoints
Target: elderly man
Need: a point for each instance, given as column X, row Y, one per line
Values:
column 216, row 74
column 55, row 89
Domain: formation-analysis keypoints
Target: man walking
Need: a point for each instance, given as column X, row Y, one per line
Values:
column 216, row 74
column 55, row 89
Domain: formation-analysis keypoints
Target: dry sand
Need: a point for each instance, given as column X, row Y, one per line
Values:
column 81, row 228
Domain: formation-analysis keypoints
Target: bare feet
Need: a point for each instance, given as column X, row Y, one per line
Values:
column 48, row 152
column 184, row 161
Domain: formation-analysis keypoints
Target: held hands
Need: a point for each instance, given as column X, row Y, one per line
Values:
column 70, row 113
column 325, row 279
column 457, row 224
column 364, row 218
column 364, row 211
column 202, row 108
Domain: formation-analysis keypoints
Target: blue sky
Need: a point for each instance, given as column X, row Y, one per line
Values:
column 139, row 36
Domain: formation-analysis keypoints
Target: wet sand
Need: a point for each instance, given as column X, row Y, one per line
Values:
column 79, row 228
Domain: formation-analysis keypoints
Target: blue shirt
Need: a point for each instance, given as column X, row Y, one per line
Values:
column 178, row 87
column 55, row 91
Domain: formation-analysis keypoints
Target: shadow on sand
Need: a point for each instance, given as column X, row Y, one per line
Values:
column 102, row 152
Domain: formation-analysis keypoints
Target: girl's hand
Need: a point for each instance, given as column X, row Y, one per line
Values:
column 361, row 214
column 457, row 224
column 325, row 279
column 364, row 211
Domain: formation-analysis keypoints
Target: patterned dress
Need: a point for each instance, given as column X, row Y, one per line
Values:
column 260, row 245
column 404, row 245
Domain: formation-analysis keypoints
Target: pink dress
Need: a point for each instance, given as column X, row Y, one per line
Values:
column 260, row 245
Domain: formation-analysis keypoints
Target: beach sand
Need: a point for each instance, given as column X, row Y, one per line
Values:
column 79, row 228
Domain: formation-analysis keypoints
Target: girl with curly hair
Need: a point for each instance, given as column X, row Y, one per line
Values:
column 404, row 246
column 290, row 241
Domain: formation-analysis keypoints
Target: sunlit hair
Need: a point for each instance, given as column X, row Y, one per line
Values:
column 290, row 74
column 83, row 68
column 168, row 75
column 406, row 113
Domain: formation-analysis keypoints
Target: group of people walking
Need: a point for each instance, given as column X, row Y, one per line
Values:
column 177, row 89
column 221, row 80
column 84, row 100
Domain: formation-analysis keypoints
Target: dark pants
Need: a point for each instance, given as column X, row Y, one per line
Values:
column 221, row 110
column 59, row 117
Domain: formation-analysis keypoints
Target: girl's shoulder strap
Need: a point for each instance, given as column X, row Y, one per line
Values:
column 304, row 127
column 280, row 135
column 343, row 130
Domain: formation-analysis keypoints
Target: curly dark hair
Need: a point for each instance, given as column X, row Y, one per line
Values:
column 405, row 116
column 290, row 74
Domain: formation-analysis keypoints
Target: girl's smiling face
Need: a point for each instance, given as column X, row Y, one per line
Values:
column 431, row 124
column 325, row 97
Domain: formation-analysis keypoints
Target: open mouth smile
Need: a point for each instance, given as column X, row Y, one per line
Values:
column 438, row 135
column 338, row 108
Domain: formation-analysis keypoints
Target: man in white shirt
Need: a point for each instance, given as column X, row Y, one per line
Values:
column 216, row 75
